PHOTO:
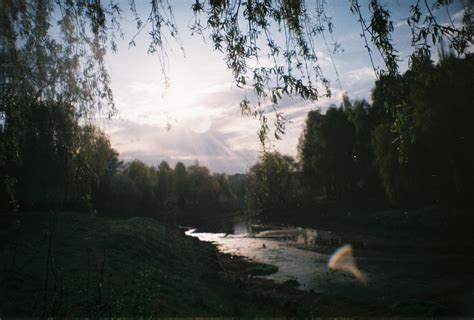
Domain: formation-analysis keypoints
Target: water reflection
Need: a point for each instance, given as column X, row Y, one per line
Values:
column 242, row 227
column 302, row 236
column 292, row 263
column 283, row 247
column 303, row 254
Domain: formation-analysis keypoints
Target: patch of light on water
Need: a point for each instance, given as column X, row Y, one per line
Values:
column 292, row 263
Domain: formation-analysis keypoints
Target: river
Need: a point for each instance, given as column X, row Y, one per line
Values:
column 302, row 254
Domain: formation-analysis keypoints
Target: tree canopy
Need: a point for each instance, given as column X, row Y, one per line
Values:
column 55, row 49
column 350, row 150
column 53, row 79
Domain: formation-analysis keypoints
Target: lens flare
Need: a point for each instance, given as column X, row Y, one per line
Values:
column 343, row 260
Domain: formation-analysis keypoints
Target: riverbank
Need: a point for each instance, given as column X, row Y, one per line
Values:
column 436, row 228
column 75, row 264
column 417, row 259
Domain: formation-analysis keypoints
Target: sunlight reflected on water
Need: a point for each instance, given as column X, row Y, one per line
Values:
column 277, row 247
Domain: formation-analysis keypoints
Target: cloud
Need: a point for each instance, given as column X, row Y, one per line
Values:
column 206, row 124
column 153, row 144
column 229, row 145
column 361, row 74
column 202, row 106
column 138, row 87
column 458, row 16
column 402, row 23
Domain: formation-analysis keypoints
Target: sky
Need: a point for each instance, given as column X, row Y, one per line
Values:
column 196, row 116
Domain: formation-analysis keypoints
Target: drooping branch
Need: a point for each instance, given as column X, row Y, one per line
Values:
column 269, row 46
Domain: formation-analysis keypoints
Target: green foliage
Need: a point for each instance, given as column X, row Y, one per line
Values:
column 332, row 162
column 140, row 190
column 181, row 178
column 123, row 197
column 115, row 268
column 260, row 269
column 49, row 161
column 165, row 189
column 413, row 140
column 335, row 153
column 55, row 49
column 427, row 144
column 200, row 190
column 97, row 164
column 203, row 189
column 397, row 183
column 53, row 74
column 272, row 183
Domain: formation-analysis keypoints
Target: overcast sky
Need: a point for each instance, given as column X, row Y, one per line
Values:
column 202, row 101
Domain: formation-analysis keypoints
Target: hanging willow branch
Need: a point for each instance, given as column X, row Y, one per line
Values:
column 58, row 47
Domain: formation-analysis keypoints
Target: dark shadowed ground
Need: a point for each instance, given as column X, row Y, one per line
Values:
column 135, row 267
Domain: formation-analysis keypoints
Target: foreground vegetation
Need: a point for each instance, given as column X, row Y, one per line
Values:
column 75, row 264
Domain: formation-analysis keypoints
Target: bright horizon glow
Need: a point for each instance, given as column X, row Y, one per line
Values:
column 197, row 117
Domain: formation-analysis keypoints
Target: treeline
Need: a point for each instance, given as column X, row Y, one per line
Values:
column 411, row 147
column 138, row 189
column 48, row 161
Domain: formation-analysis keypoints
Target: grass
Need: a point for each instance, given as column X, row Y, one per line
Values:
column 102, row 267
column 76, row 264
column 260, row 269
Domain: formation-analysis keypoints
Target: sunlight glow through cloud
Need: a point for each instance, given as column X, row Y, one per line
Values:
column 197, row 117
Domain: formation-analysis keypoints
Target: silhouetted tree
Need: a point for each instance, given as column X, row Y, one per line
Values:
column 423, row 154
column 165, row 188
column 327, row 152
column 96, row 164
column 181, row 184
column 271, row 184
column 55, row 49
column 204, row 191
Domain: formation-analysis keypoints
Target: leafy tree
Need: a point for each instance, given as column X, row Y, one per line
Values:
column 96, row 164
column 46, row 149
column 226, row 197
column 54, row 162
column 309, row 151
column 51, row 58
column 124, row 197
column 203, row 189
column 432, row 133
column 165, row 189
column 295, row 69
column 181, row 183
column 52, row 73
column 367, row 186
column 237, row 183
column 145, row 180
column 55, row 49
column 271, row 183
column 396, row 179
column 327, row 152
